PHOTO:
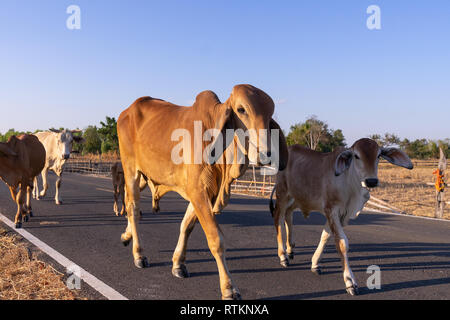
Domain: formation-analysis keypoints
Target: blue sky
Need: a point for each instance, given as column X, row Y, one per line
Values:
column 311, row 57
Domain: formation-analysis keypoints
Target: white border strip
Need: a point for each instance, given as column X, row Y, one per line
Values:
column 91, row 280
column 404, row 215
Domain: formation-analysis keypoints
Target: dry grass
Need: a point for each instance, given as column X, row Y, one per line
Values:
column 404, row 189
column 109, row 156
column 408, row 189
column 23, row 276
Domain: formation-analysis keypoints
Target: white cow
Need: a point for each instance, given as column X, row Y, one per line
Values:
column 58, row 146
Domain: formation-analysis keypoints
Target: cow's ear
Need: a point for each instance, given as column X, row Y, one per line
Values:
column 78, row 139
column 279, row 146
column 5, row 150
column 343, row 162
column 397, row 157
column 224, row 120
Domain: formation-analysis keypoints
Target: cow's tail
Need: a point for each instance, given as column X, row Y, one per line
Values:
column 271, row 205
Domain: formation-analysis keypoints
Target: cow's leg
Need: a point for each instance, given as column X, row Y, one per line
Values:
column 155, row 203
column 179, row 255
column 315, row 266
column 35, row 188
column 279, row 221
column 58, row 199
column 123, row 193
column 342, row 248
column 133, row 214
column 290, row 245
column 44, row 182
column 207, row 219
column 155, row 196
column 20, row 197
column 29, row 210
column 116, row 198
column 13, row 190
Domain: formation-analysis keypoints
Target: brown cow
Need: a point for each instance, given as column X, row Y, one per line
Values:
column 334, row 184
column 21, row 159
column 118, row 181
column 149, row 131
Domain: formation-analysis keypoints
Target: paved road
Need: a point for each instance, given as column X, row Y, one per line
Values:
column 413, row 254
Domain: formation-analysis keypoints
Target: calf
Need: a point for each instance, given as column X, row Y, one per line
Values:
column 118, row 181
column 21, row 159
column 58, row 145
column 335, row 184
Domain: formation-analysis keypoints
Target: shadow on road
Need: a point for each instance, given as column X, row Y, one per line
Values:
column 365, row 291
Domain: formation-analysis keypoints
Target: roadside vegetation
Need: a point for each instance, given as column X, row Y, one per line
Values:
column 409, row 190
column 24, row 276
column 314, row 133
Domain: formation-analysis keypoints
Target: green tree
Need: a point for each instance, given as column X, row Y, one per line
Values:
column 92, row 141
column 8, row 134
column 390, row 139
column 445, row 146
column 417, row 149
column 333, row 139
column 377, row 138
column 108, row 135
column 316, row 135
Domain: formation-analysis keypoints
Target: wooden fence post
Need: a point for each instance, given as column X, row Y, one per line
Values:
column 440, row 185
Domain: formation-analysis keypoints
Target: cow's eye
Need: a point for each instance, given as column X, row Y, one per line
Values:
column 241, row 110
column 357, row 157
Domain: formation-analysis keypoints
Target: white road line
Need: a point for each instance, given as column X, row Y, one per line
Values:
column 91, row 280
column 405, row 215
column 111, row 191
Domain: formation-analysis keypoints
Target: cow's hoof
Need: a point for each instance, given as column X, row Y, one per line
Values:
column 284, row 263
column 18, row 225
column 291, row 255
column 31, row 214
column 25, row 218
column 59, row 203
column 141, row 263
column 234, row 296
column 125, row 242
column 155, row 210
column 353, row 290
column 316, row 271
column 180, row 272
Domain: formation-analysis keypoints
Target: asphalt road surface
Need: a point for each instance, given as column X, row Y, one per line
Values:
column 413, row 254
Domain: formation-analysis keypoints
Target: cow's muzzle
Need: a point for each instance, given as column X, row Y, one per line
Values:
column 371, row 182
